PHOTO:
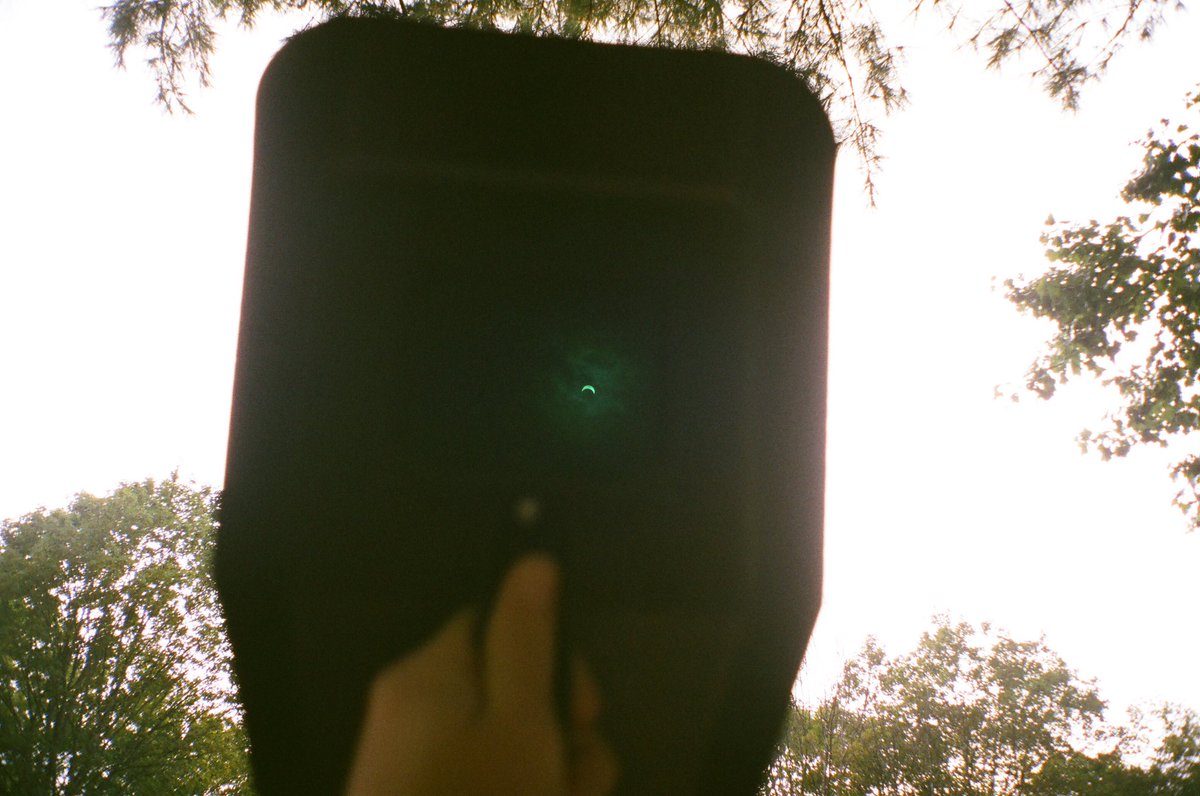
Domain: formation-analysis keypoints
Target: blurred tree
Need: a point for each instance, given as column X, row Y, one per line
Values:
column 1124, row 297
column 1077, row 774
column 837, row 46
column 843, row 745
column 1177, row 759
column 969, row 712
column 113, row 661
column 1171, row 769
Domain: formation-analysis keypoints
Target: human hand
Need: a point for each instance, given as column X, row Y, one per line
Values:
column 454, row 720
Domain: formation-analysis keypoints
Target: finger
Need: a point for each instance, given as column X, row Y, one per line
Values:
column 519, row 648
column 585, row 697
column 412, row 702
column 442, row 668
column 594, row 770
column 593, row 765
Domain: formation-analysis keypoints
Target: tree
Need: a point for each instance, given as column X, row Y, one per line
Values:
column 1172, row 770
column 837, row 46
column 1177, row 759
column 1124, row 298
column 1105, row 774
column 113, row 661
column 969, row 711
column 838, row 747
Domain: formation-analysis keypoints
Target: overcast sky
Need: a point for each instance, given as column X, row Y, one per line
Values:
column 122, row 234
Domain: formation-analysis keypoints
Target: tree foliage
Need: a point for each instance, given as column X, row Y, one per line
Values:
column 1177, row 759
column 1105, row 774
column 837, row 46
column 970, row 712
column 113, row 661
column 1124, row 297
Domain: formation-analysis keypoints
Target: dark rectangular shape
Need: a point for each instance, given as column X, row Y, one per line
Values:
column 489, row 271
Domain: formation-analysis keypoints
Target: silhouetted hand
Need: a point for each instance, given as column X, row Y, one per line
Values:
column 453, row 720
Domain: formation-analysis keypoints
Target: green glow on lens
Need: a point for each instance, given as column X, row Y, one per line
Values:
column 589, row 388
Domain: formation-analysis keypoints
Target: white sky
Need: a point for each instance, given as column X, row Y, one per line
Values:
column 122, row 233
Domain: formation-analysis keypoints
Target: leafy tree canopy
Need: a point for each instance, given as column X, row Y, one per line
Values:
column 113, row 660
column 969, row 712
column 1124, row 297
column 837, row 46
column 1177, row 759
